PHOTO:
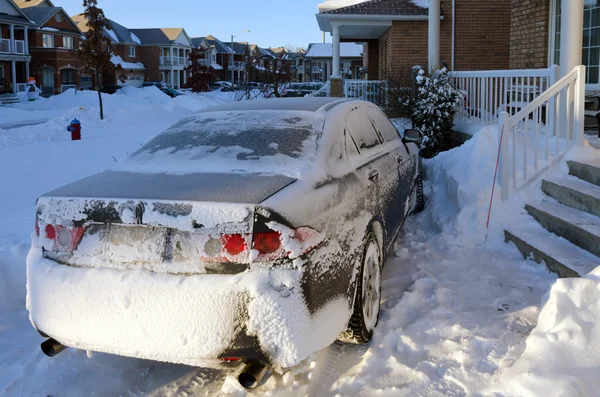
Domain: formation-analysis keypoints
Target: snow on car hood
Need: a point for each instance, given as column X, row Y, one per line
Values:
column 242, row 142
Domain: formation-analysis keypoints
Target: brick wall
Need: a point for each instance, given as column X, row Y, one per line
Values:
column 529, row 34
column 482, row 34
column 150, row 57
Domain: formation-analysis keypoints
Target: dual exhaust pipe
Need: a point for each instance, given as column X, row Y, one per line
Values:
column 250, row 377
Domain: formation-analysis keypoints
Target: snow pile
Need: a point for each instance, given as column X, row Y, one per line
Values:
column 134, row 38
column 562, row 356
column 117, row 60
column 460, row 189
column 421, row 3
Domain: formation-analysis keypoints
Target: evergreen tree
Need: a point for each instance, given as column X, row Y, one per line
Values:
column 96, row 50
column 435, row 105
column 199, row 76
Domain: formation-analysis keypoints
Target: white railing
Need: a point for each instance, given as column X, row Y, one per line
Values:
column 175, row 61
column 204, row 62
column 537, row 136
column 64, row 87
column 5, row 45
column 368, row 90
column 236, row 65
column 19, row 47
column 487, row 93
column 21, row 87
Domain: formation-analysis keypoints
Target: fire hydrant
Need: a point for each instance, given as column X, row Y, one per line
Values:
column 75, row 129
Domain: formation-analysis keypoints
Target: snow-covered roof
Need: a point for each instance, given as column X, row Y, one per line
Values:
column 325, row 50
column 117, row 60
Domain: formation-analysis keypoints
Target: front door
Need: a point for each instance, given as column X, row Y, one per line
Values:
column 48, row 82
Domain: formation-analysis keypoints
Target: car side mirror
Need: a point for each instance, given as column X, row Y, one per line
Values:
column 412, row 135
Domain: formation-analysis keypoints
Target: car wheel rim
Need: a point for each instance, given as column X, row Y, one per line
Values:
column 370, row 285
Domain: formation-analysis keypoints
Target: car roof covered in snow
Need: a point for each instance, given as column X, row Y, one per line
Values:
column 297, row 104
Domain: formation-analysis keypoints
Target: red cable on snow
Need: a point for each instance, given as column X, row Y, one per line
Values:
column 487, row 226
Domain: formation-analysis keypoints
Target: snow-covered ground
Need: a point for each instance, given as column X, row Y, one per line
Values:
column 458, row 309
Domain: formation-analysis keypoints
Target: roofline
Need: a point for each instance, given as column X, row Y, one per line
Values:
column 68, row 16
column 21, row 12
column 325, row 20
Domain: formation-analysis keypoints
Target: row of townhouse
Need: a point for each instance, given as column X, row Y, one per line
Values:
column 37, row 39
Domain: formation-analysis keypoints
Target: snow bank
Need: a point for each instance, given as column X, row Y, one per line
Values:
column 562, row 356
column 460, row 190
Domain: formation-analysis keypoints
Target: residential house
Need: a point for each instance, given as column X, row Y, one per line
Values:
column 320, row 58
column 224, row 53
column 165, row 54
column 33, row 3
column 14, row 47
column 262, row 63
column 469, row 34
column 294, row 62
column 210, row 54
column 51, row 41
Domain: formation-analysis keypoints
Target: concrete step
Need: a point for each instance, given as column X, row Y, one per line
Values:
column 559, row 255
column 589, row 172
column 8, row 99
column 575, row 193
column 580, row 228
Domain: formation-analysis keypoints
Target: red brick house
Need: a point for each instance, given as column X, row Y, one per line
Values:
column 14, row 48
column 320, row 55
column 51, row 42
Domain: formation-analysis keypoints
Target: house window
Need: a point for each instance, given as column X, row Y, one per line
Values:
column 590, row 55
column 1, row 72
column 48, row 40
column 68, row 42
column 132, row 52
column 68, row 76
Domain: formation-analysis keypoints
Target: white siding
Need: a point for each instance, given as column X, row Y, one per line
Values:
column 181, row 39
column 7, row 8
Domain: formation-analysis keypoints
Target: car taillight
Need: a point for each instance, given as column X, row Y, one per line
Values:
column 63, row 238
column 261, row 246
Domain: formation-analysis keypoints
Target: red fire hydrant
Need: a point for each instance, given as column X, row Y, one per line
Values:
column 75, row 129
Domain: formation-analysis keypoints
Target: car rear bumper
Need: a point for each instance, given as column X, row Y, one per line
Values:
column 257, row 315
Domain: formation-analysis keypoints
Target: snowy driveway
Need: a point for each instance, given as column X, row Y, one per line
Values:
column 452, row 317
column 455, row 314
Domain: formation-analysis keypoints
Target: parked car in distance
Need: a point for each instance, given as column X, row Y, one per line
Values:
column 225, row 86
column 111, row 89
column 158, row 84
column 301, row 89
column 171, row 92
column 197, row 247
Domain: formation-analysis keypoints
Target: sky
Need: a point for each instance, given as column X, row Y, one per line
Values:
column 272, row 23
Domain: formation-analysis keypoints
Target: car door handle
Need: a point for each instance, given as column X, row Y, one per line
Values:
column 373, row 175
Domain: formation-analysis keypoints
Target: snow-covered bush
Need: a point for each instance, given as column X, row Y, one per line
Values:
column 433, row 111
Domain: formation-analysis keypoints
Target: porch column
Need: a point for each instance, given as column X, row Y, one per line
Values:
column 27, row 70
column 336, row 52
column 13, row 69
column 172, row 69
column 26, row 43
column 13, row 48
column 571, row 34
column 434, row 34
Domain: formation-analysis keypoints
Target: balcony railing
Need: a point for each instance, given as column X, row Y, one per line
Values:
column 204, row 62
column 5, row 45
column 236, row 65
column 19, row 47
column 175, row 61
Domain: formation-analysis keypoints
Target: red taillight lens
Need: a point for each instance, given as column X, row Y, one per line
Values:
column 267, row 243
column 234, row 244
column 63, row 238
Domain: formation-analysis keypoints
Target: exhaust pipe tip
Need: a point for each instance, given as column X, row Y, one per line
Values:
column 252, row 375
column 52, row 347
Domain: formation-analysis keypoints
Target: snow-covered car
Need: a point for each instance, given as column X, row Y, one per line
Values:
column 252, row 232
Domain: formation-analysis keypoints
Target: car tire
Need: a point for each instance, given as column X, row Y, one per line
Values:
column 420, row 195
column 367, row 301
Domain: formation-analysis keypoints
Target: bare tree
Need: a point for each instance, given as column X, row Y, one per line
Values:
column 95, row 50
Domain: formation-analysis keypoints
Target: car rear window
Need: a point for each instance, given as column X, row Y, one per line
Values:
column 274, row 142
